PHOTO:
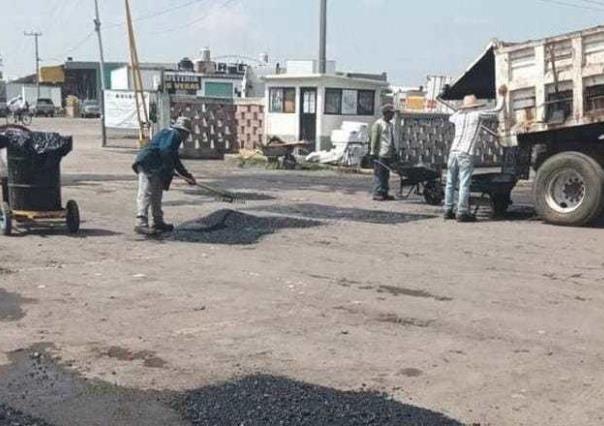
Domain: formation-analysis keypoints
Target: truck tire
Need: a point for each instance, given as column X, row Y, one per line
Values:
column 569, row 189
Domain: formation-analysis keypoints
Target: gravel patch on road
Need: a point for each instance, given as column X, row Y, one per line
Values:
column 268, row 400
column 233, row 227
column 11, row 417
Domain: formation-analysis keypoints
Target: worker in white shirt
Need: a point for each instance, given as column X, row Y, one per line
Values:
column 468, row 121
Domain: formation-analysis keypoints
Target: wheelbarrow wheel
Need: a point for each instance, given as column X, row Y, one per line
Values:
column 434, row 193
column 6, row 220
column 500, row 204
column 72, row 217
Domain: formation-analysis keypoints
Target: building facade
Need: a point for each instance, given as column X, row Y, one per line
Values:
column 303, row 105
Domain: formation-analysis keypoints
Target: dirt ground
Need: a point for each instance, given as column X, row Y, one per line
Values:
column 493, row 323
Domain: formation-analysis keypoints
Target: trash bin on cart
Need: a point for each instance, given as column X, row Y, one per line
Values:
column 34, row 179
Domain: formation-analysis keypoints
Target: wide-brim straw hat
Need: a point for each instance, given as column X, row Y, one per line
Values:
column 183, row 123
column 471, row 101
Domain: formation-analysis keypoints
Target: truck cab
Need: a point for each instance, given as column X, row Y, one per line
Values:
column 554, row 112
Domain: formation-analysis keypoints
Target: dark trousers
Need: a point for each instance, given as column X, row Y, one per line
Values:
column 381, row 177
column 4, row 184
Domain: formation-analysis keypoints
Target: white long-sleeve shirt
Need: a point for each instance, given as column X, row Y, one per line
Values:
column 467, row 126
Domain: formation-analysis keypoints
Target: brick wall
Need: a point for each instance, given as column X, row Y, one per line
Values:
column 249, row 116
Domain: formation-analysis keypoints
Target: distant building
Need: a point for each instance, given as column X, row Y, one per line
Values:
column 81, row 79
column 301, row 104
column 122, row 78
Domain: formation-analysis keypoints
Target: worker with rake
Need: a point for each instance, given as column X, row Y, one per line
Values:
column 156, row 165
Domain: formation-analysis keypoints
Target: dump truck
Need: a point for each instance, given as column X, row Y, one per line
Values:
column 554, row 114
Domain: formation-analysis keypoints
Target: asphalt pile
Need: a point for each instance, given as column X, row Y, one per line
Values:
column 11, row 417
column 271, row 401
column 233, row 227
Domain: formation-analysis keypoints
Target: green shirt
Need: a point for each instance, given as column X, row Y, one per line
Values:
column 382, row 139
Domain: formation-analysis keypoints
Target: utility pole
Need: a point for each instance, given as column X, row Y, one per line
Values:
column 36, row 35
column 97, row 27
column 323, row 38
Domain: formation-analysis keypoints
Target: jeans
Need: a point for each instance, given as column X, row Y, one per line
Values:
column 150, row 192
column 4, row 184
column 381, row 177
column 460, row 169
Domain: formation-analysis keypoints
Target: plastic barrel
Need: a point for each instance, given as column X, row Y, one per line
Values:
column 34, row 183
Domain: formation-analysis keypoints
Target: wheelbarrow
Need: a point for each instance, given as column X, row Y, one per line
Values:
column 492, row 190
column 282, row 153
column 34, row 183
column 418, row 179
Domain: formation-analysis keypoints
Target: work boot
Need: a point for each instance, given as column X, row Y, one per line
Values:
column 379, row 198
column 163, row 227
column 449, row 215
column 466, row 218
column 389, row 197
column 142, row 226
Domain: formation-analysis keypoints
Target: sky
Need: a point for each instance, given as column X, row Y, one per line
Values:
column 407, row 39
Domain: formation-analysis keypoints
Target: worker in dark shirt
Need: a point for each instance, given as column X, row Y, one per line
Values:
column 156, row 165
column 3, row 168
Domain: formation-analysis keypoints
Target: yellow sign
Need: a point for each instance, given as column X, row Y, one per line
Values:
column 52, row 74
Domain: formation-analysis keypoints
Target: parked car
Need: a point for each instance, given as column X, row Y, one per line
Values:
column 90, row 109
column 44, row 107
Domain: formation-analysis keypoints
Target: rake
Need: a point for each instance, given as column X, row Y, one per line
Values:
column 221, row 195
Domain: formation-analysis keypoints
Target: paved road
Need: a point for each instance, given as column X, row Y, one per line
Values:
column 496, row 323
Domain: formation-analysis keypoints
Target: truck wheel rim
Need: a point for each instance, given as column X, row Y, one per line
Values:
column 566, row 191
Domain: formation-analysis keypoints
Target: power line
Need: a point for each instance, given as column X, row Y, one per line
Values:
column 195, row 21
column 575, row 5
column 157, row 14
column 74, row 48
column 600, row 3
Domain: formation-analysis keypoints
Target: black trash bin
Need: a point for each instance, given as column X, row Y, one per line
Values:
column 34, row 170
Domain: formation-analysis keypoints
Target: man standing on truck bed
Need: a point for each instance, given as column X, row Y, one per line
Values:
column 155, row 165
column 383, row 152
column 468, row 121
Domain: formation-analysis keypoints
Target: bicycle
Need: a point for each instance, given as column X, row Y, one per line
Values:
column 23, row 117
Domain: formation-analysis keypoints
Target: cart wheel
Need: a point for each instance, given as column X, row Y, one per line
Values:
column 26, row 119
column 433, row 193
column 6, row 220
column 72, row 216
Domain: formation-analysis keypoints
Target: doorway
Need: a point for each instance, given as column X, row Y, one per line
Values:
column 308, row 114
